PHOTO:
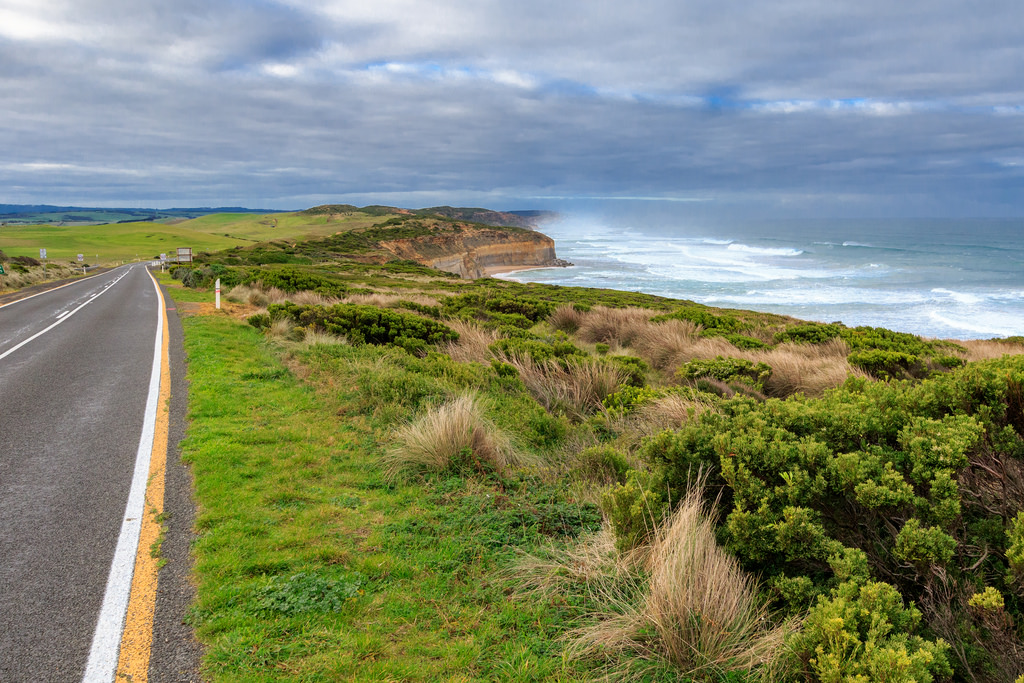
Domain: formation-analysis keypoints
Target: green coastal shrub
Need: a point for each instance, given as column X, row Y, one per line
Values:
column 701, row 315
column 728, row 370
column 634, row 510
column 291, row 280
column 884, row 364
column 368, row 324
column 863, row 633
column 899, row 482
column 809, row 333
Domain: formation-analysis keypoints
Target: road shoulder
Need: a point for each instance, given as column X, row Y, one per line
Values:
column 176, row 652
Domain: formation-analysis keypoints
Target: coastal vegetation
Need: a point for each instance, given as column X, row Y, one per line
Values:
column 408, row 476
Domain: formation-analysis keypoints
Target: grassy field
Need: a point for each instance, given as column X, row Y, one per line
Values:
column 313, row 566
column 104, row 244
column 286, row 226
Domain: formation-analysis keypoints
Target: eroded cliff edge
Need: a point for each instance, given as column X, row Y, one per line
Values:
column 477, row 251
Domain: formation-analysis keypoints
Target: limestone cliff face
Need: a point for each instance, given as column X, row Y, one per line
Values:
column 475, row 252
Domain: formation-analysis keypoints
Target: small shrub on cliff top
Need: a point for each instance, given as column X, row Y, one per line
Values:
column 727, row 370
column 368, row 324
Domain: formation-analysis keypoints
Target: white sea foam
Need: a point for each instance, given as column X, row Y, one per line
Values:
column 819, row 296
column 960, row 297
column 858, row 244
column 766, row 251
column 995, row 324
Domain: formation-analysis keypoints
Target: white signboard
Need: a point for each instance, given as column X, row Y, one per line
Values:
column 81, row 258
column 42, row 253
column 184, row 254
column 163, row 257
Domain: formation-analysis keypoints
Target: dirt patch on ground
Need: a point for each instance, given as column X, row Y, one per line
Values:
column 187, row 309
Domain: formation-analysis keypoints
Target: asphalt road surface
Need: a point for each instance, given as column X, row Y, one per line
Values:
column 75, row 365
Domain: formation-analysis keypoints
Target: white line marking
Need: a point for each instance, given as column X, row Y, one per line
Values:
column 62, row 314
column 59, row 320
column 33, row 296
column 106, row 641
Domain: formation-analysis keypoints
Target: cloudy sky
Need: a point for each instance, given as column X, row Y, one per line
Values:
column 902, row 107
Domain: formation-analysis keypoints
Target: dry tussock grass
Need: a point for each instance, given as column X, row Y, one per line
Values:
column 566, row 318
column 314, row 337
column 455, row 433
column 308, row 298
column 662, row 344
column 613, row 325
column 384, row 300
column 473, row 342
column 256, row 294
column 669, row 412
column 807, row 368
column 575, row 388
column 987, row 349
column 15, row 280
column 702, row 607
column 281, row 329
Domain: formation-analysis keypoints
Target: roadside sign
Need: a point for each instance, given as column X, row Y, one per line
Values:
column 81, row 258
column 2, row 271
column 42, row 253
column 163, row 257
column 184, row 254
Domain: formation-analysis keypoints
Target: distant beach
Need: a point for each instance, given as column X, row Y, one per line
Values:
column 959, row 279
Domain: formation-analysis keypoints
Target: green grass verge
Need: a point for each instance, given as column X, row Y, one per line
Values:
column 312, row 567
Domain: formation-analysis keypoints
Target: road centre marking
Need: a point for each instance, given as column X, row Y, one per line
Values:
column 60, row 319
column 32, row 296
column 106, row 643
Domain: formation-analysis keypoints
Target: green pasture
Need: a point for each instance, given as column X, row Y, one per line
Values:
column 107, row 243
column 278, row 226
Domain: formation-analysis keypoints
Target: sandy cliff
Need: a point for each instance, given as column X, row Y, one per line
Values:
column 474, row 252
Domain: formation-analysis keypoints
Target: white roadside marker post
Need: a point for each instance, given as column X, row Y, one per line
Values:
column 218, row 293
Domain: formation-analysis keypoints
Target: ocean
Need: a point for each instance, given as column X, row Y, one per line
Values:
column 951, row 279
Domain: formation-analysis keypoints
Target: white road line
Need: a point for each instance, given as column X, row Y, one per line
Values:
column 106, row 641
column 59, row 320
column 33, row 296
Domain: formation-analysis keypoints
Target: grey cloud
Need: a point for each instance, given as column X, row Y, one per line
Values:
column 232, row 102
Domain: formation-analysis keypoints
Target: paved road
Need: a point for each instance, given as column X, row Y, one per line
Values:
column 72, row 401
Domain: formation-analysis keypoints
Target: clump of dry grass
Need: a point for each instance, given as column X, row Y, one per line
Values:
column 383, row 300
column 613, row 325
column 574, row 387
column 453, row 434
column 807, row 368
column 703, row 610
column 666, row 344
column 670, row 412
column 255, row 294
column 473, row 344
column 566, row 318
column 314, row 337
column 281, row 329
column 987, row 349
column 308, row 298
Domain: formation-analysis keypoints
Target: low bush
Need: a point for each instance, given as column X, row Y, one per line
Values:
column 728, row 370
column 924, row 482
column 701, row 315
column 368, row 324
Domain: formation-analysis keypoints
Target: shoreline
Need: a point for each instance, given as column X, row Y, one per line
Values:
column 497, row 271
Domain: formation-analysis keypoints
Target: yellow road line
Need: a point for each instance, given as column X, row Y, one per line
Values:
column 137, row 638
